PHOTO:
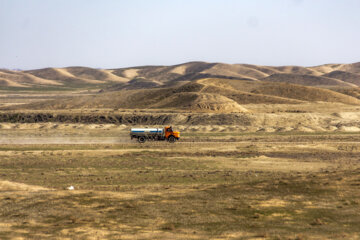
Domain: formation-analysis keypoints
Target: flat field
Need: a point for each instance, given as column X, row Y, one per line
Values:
column 210, row 185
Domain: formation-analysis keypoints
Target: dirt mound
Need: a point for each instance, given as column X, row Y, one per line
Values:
column 201, row 102
column 306, row 80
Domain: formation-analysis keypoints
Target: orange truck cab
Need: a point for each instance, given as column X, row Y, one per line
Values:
column 169, row 134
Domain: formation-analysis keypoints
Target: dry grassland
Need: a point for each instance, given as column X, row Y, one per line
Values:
column 211, row 185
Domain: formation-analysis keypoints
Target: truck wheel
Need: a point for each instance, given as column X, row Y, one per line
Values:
column 172, row 139
column 141, row 139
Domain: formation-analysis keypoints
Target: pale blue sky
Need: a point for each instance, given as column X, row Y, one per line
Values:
column 120, row 33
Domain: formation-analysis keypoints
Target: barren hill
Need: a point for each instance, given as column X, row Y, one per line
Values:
column 94, row 74
column 193, row 86
column 206, row 95
column 349, row 77
column 308, row 80
column 61, row 75
column 268, row 92
column 353, row 68
column 166, row 76
column 23, row 79
column 200, row 102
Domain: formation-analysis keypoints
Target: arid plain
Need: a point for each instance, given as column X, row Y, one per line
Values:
column 265, row 152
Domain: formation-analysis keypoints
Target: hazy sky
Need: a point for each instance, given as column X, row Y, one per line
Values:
column 120, row 33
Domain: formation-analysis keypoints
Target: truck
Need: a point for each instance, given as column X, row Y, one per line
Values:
column 155, row 134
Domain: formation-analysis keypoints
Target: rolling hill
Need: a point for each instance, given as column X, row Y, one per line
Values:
column 346, row 75
column 206, row 95
column 308, row 80
column 193, row 86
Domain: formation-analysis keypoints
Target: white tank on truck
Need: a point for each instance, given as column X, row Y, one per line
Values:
column 155, row 134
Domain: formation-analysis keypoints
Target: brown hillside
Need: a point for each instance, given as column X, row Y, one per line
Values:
column 241, row 91
column 61, row 75
column 94, row 74
column 297, row 70
column 130, row 99
column 211, row 95
column 284, row 91
column 9, row 83
column 235, row 70
column 249, row 98
column 22, row 79
column 353, row 68
column 345, row 76
column 354, row 92
column 160, row 98
column 304, row 93
column 204, row 102
column 163, row 73
column 141, row 83
column 191, row 67
column 265, row 69
column 154, row 76
column 306, row 80
column 326, row 68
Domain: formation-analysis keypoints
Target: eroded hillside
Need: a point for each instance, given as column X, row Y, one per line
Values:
column 193, row 86
column 324, row 75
